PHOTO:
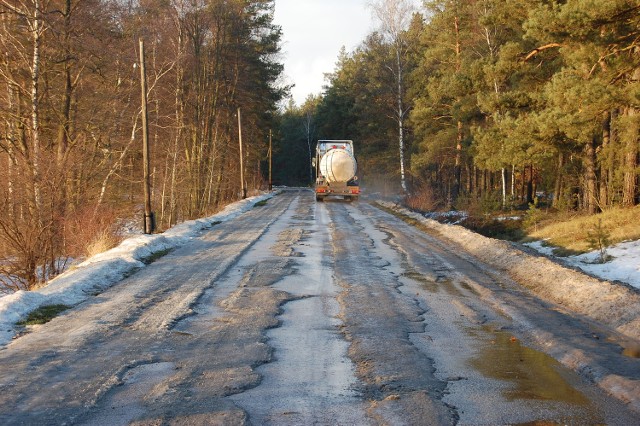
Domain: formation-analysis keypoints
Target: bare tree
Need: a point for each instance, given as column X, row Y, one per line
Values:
column 309, row 129
column 31, row 11
column 394, row 17
column 308, row 110
column 69, row 117
column 631, row 136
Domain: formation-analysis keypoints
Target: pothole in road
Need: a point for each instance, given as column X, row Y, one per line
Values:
column 140, row 385
column 429, row 285
column 437, row 283
column 266, row 273
column 284, row 247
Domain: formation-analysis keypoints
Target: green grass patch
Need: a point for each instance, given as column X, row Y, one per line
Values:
column 43, row 315
column 260, row 203
column 155, row 256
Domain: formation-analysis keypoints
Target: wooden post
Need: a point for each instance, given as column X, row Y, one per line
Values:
column 270, row 160
column 242, row 184
column 149, row 223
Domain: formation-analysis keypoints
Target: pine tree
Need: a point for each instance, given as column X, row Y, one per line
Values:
column 599, row 46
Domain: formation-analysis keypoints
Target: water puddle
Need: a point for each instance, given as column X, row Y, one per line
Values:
column 429, row 285
column 450, row 287
column 631, row 349
column 470, row 289
column 534, row 375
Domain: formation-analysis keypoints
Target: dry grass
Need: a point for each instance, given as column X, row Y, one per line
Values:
column 423, row 200
column 572, row 233
column 89, row 233
column 101, row 242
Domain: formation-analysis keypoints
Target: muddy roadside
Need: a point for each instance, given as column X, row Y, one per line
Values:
column 609, row 303
column 613, row 306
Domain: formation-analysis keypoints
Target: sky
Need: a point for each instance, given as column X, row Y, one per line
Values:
column 313, row 33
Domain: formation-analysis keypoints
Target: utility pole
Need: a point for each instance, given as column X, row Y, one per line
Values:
column 270, row 160
column 242, row 184
column 149, row 221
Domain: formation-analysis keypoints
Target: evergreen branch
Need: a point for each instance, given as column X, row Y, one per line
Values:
column 622, row 74
column 537, row 50
column 621, row 16
column 614, row 52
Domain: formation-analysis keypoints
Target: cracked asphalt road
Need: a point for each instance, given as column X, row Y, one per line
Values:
column 300, row 312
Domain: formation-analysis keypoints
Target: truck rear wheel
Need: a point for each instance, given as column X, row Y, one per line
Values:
column 319, row 198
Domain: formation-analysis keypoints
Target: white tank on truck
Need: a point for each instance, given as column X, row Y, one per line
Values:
column 336, row 170
column 338, row 165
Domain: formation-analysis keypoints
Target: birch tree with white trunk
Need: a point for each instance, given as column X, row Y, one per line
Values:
column 394, row 17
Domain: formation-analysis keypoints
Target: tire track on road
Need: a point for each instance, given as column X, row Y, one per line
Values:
column 90, row 348
column 398, row 379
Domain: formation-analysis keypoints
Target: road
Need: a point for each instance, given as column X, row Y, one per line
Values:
column 301, row 313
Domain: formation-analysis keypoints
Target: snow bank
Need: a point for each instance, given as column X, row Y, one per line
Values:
column 613, row 304
column 105, row 269
column 625, row 265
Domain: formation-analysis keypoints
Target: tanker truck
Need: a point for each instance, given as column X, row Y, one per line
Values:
column 336, row 170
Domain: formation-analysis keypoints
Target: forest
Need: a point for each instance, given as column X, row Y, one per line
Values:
column 501, row 103
column 507, row 103
column 71, row 119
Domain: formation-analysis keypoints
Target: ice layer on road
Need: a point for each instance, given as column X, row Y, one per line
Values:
column 614, row 304
column 106, row 269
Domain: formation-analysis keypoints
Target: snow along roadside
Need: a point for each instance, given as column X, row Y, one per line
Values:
column 612, row 304
column 103, row 270
column 624, row 267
